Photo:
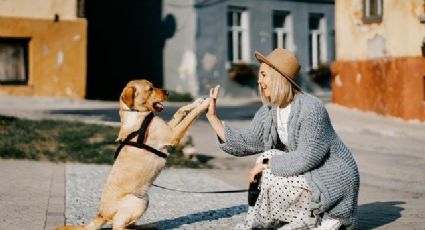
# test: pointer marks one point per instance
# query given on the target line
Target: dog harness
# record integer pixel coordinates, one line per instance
(140, 139)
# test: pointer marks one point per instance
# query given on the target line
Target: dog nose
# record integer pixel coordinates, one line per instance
(166, 92)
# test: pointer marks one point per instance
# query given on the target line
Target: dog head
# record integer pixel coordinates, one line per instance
(141, 95)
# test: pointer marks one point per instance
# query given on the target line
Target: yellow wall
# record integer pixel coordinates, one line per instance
(56, 53)
(400, 29)
(67, 9)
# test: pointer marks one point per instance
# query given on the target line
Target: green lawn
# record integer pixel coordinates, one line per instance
(65, 141)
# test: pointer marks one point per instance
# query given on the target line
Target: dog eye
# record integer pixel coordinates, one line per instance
(150, 89)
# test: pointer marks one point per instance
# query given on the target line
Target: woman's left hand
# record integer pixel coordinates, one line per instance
(258, 168)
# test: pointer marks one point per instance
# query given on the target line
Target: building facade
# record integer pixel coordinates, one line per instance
(380, 65)
(215, 41)
(42, 49)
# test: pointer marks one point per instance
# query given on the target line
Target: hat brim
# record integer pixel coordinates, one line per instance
(262, 59)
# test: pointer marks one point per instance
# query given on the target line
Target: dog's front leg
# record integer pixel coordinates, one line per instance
(183, 111)
(181, 128)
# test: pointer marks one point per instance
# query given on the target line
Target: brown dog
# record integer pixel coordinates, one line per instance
(125, 198)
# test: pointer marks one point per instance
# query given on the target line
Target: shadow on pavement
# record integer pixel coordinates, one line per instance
(376, 214)
(201, 216)
(191, 218)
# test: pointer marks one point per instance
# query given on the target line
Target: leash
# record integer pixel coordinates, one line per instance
(185, 191)
(140, 139)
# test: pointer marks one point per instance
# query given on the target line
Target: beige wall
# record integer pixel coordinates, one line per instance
(399, 35)
(67, 9)
(57, 56)
(379, 66)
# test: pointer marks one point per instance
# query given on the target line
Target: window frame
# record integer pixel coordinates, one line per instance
(319, 41)
(280, 31)
(235, 30)
(24, 43)
(367, 17)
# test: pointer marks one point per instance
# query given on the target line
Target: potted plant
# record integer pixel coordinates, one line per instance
(321, 75)
(242, 72)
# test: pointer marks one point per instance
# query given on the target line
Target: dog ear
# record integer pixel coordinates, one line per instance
(127, 96)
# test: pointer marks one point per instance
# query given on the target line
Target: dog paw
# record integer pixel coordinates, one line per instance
(205, 103)
(198, 101)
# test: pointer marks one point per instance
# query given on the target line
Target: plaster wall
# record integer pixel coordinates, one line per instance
(379, 66)
(180, 50)
(399, 34)
(211, 40)
(56, 56)
(66, 9)
(394, 87)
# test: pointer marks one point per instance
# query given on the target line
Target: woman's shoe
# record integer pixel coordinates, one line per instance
(329, 224)
(294, 226)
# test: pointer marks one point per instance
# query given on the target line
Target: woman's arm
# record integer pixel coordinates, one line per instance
(241, 142)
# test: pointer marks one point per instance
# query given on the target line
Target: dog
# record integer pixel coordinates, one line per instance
(125, 198)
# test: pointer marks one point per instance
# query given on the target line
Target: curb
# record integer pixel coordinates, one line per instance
(55, 214)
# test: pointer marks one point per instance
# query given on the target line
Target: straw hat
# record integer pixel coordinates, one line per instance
(283, 62)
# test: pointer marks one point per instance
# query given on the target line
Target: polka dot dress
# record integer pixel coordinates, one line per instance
(283, 202)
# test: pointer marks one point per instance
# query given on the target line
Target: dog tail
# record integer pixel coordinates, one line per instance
(70, 228)
(96, 223)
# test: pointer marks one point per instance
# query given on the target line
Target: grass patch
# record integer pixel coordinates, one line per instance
(65, 141)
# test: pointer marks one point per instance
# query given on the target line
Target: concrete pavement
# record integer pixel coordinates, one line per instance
(32, 195)
(390, 154)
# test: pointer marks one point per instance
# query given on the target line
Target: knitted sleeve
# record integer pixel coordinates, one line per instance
(247, 141)
(313, 139)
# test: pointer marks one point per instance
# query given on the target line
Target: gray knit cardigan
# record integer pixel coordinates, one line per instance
(314, 149)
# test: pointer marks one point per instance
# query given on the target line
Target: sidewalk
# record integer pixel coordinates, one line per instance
(390, 154)
(31, 195)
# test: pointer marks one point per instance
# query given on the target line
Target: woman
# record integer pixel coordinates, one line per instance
(311, 180)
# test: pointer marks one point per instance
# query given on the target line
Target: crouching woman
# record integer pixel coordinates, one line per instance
(311, 180)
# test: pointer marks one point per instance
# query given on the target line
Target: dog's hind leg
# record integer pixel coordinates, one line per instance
(130, 210)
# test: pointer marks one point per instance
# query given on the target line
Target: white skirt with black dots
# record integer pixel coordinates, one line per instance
(283, 202)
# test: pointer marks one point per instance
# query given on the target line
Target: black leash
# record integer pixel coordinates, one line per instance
(185, 191)
(140, 139)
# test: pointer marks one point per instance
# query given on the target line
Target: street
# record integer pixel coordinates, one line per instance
(390, 154)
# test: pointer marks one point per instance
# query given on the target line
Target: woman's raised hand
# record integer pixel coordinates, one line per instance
(212, 117)
(213, 98)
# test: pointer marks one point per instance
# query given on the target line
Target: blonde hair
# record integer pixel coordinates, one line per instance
(282, 92)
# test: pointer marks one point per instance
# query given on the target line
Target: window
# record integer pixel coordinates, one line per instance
(13, 61)
(372, 11)
(282, 30)
(237, 35)
(317, 40)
